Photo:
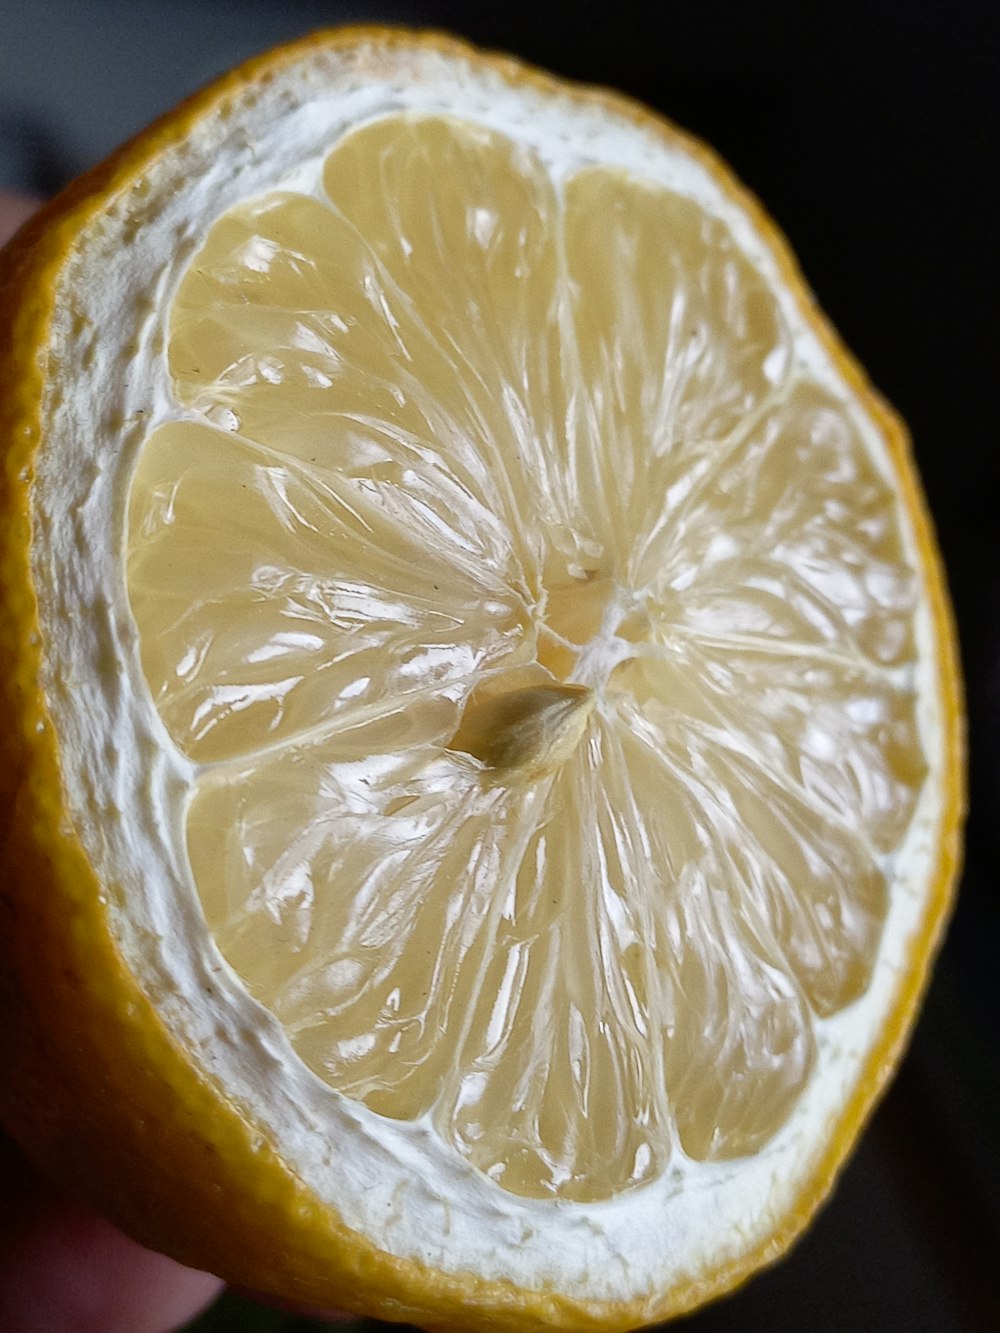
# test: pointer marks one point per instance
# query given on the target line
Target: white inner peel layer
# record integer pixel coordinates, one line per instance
(127, 786)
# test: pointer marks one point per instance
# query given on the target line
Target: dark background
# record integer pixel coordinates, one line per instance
(870, 132)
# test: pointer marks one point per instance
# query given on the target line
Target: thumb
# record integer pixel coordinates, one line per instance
(14, 209)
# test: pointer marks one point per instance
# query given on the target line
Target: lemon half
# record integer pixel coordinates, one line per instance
(483, 745)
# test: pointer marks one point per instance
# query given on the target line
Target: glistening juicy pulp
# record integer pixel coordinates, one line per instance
(453, 430)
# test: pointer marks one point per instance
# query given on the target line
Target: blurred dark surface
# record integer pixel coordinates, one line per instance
(870, 132)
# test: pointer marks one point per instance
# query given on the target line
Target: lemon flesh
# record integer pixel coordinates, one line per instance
(540, 633)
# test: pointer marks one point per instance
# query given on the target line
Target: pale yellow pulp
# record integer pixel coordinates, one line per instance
(453, 434)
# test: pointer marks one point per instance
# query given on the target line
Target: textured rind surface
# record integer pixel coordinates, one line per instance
(105, 1099)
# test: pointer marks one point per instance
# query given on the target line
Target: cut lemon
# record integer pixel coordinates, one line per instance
(481, 723)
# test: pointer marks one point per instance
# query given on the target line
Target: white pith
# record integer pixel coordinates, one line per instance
(396, 1183)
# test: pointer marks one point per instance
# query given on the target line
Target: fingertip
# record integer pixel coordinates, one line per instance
(72, 1270)
(14, 210)
(64, 1267)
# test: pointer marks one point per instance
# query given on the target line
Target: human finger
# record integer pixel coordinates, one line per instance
(64, 1267)
(14, 209)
